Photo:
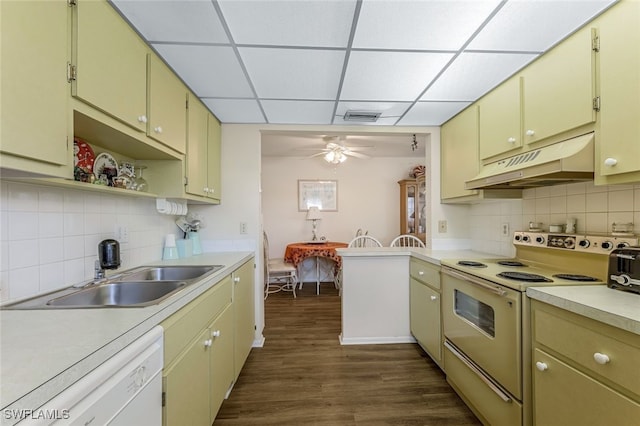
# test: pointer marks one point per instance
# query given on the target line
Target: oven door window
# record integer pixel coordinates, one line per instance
(477, 313)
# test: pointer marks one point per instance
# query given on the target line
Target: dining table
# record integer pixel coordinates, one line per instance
(296, 253)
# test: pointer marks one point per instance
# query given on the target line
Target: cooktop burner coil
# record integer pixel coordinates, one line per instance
(510, 263)
(472, 263)
(522, 276)
(575, 277)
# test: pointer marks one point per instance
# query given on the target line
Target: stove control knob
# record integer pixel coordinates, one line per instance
(606, 245)
(540, 240)
(517, 237)
(584, 243)
(569, 242)
(622, 245)
(526, 238)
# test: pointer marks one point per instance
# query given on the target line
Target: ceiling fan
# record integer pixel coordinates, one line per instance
(336, 152)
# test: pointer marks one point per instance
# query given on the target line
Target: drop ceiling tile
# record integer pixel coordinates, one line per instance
(289, 23)
(294, 73)
(432, 113)
(441, 25)
(535, 25)
(390, 76)
(298, 112)
(473, 74)
(175, 21)
(235, 110)
(210, 71)
(391, 111)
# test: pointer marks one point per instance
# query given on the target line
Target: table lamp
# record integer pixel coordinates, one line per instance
(314, 214)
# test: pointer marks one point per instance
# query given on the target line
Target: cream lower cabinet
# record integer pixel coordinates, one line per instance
(584, 372)
(244, 314)
(425, 309)
(35, 135)
(618, 128)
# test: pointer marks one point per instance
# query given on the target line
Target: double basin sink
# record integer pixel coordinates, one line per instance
(144, 286)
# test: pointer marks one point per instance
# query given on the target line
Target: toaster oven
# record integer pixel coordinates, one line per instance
(624, 269)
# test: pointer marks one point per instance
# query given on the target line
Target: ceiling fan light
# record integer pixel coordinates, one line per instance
(341, 157)
(330, 156)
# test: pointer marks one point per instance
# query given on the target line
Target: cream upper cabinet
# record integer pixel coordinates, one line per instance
(500, 119)
(167, 108)
(559, 89)
(197, 148)
(618, 130)
(35, 91)
(459, 154)
(214, 145)
(111, 64)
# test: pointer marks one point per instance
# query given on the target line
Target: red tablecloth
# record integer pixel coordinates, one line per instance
(297, 252)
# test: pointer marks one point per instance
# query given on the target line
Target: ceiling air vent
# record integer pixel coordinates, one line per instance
(369, 116)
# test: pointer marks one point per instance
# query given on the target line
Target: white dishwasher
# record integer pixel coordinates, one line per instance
(126, 390)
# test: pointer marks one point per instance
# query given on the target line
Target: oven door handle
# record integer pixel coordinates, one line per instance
(477, 371)
(497, 290)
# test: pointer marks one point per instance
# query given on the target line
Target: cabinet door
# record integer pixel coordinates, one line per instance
(197, 147)
(112, 64)
(213, 158)
(459, 154)
(221, 360)
(186, 386)
(558, 89)
(34, 87)
(167, 106)
(500, 119)
(565, 396)
(243, 305)
(425, 318)
(619, 127)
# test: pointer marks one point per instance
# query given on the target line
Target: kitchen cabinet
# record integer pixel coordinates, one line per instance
(198, 357)
(425, 308)
(111, 64)
(35, 133)
(167, 106)
(244, 312)
(618, 128)
(214, 160)
(574, 352)
(500, 119)
(413, 215)
(558, 89)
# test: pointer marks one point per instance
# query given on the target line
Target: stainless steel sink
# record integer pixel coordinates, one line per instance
(124, 293)
(139, 287)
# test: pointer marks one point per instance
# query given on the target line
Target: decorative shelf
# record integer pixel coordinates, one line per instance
(82, 186)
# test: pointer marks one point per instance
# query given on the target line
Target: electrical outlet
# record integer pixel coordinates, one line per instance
(505, 229)
(122, 233)
(442, 226)
(243, 227)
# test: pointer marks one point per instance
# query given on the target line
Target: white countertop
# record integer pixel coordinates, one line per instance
(44, 351)
(428, 255)
(601, 303)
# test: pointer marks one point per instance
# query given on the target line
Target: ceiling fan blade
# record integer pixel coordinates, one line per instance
(356, 154)
(358, 148)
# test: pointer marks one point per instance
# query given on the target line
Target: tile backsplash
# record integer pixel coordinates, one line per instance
(595, 208)
(49, 236)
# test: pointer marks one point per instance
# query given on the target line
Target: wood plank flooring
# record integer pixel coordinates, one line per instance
(303, 376)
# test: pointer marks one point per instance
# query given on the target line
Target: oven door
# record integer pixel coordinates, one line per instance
(483, 320)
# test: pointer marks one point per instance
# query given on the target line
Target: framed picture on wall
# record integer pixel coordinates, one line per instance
(318, 193)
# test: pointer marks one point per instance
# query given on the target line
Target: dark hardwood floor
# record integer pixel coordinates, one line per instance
(303, 376)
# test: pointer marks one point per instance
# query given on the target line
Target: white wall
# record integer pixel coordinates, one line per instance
(49, 236)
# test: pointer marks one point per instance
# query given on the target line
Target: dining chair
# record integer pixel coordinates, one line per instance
(407, 241)
(365, 241)
(283, 273)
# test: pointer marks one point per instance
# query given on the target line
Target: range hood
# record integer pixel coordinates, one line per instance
(563, 162)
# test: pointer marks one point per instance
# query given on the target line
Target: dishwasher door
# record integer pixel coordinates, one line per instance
(126, 390)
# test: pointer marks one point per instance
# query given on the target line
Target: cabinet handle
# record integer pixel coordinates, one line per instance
(207, 343)
(215, 333)
(142, 118)
(206, 190)
(530, 133)
(236, 280)
(601, 359)
(434, 298)
(610, 162)
(157, 129)
(542, 366)
(511, 140)
(420, 272)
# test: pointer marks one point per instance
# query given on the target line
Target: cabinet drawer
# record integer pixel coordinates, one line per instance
(579, 339)
(425, 272)
(184, 325)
